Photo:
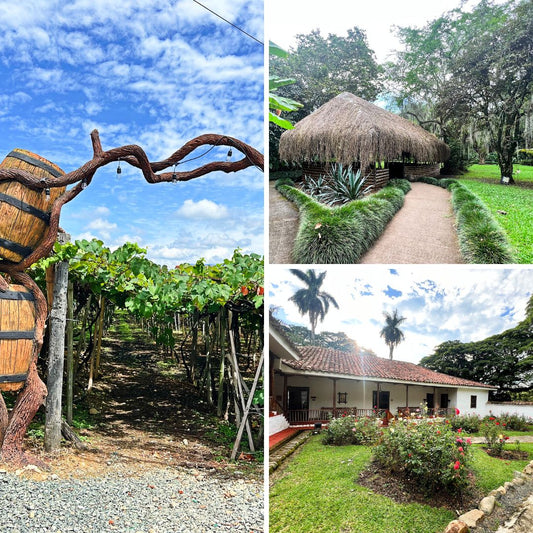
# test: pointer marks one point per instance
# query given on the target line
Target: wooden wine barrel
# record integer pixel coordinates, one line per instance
(24, 213)
(17, 330)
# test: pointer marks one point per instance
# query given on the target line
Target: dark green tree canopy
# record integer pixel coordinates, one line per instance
(504, 360)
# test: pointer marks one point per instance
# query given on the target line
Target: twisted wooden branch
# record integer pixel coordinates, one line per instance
(135, 156)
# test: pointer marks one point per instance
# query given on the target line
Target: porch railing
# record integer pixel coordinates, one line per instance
(323, 414)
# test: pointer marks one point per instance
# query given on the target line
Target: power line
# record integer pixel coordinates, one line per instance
(230, 23)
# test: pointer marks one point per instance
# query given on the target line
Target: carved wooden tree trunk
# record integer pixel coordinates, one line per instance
(34, 392)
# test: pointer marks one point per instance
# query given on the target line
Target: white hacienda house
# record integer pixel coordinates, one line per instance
(310, 384)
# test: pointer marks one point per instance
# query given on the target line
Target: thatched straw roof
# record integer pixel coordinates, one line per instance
(348, 129)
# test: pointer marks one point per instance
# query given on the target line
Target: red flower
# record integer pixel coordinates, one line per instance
(459, 430)
(497, 423)
(460, 449)
(457, 412)
(492, 418)
(438, 432)
(504, 424)
(244, 290)
(260, 291)
(457, 465)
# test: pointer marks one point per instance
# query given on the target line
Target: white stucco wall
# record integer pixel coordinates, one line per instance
(359, 394)
(276, 424)
(511, 408)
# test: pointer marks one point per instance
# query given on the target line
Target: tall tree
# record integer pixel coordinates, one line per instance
(504, 360)
(392, 334)
(472, 72)
(322, 68)
(311, 300)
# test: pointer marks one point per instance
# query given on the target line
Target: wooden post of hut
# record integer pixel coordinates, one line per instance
(56, 355)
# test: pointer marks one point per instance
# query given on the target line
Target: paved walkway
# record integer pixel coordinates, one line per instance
(283, 227)
(422, 231)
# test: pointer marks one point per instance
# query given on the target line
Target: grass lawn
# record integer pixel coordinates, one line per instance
(484, 181)
(492, 472)
(318, 492)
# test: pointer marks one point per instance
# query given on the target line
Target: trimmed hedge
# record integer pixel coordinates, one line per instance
(340, 235)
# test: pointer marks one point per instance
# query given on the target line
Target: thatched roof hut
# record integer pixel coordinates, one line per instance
(349, 129)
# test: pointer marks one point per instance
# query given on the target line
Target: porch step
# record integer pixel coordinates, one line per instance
(286, 447)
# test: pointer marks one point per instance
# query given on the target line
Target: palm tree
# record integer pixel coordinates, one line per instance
(311, 300)
(390, 332)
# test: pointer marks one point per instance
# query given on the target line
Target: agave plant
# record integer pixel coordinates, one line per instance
(314, 187)
(344, 185)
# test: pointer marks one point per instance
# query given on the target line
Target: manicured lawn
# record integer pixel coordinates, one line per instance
(492, 472)
(318, 492)
(483, 180)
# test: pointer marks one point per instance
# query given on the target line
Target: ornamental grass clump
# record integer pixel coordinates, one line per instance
(351, 430)
(342, 234)
(430, 454)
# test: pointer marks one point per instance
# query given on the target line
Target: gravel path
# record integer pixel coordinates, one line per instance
(422, 231)
(283, 227)
(164, 501)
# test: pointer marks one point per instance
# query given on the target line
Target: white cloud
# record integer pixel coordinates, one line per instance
(203, 209)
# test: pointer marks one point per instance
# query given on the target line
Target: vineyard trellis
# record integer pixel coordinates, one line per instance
(219, 309)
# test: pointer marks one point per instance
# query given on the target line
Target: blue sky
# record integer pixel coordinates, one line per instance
(440, 303)
(148, 72)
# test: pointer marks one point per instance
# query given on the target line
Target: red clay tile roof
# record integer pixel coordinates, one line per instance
(326, 360)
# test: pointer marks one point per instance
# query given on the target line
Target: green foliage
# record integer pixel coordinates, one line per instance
(432, 454)
(495, 438)
(284, 181)
(343, 185)
(510, 205)
(481, 238)
(504, 360)
(320, 493)
(350, 430)
(514, 422)
(468, 423)
(278, 103)
(341, 234)
(314, 187)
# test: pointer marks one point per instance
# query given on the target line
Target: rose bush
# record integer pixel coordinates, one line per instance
(351, 430)
(431, 454)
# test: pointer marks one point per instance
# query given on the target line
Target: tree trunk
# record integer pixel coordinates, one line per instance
(391, 349)
(56, 359)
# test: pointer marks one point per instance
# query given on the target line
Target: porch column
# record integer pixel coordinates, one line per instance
(284, 404)
(334, 397)
(407, 396)
(436, 402)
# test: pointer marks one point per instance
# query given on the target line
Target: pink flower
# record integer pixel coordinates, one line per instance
(460, 449)
(459, 430)
(353, 429)
(460, 441)
(469, 440)
(457, 412)
(457, 465)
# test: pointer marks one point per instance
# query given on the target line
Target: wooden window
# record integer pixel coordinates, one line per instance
(342, 397)
(473, 402)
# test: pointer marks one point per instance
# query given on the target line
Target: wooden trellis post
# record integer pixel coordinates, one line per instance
(56, 354)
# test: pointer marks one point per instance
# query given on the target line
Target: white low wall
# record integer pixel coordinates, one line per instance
(276, 424)
(524, 409)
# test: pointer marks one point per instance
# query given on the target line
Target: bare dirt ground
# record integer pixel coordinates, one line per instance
(145, 416)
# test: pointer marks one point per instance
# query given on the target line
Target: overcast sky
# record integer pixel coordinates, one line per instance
(285, 19)
(439, 303)
(148, 72)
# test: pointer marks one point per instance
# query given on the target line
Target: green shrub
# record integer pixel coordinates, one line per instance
(468, 423)
(284, 181)
(513, 422)
(431, 454)
(341, 234)
(350, 430)
(495, 438)
(401, 184)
